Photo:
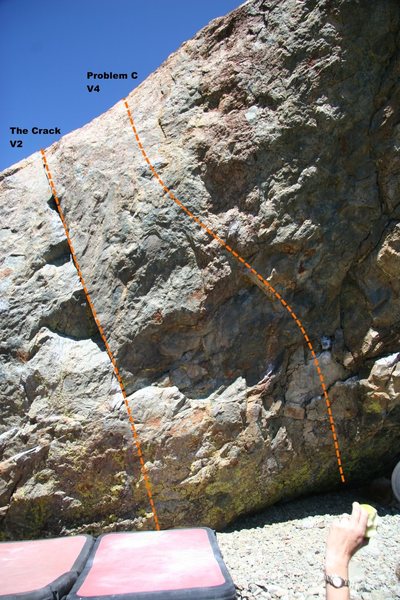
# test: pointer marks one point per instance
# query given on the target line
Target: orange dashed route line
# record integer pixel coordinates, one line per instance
(266, 283)
(108, 349)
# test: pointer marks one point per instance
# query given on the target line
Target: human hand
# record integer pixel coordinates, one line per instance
(345, 537)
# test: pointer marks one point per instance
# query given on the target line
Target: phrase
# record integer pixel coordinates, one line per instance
(107, 76)
(34, 131)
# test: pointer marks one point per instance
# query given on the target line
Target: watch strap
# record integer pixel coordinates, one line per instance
(336, 581)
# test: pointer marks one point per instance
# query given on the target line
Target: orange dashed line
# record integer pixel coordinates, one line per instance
(241, 260)
(110, 354)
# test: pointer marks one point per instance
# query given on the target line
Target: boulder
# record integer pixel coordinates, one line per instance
(277, 126)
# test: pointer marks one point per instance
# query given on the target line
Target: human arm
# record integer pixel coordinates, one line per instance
(345, 537)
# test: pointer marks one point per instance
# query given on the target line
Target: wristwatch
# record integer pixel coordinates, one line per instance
(336, 581)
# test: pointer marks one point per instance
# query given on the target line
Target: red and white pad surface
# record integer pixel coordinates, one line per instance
(182, 563)
(34, 569)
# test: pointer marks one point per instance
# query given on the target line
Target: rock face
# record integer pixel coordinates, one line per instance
(278, 126)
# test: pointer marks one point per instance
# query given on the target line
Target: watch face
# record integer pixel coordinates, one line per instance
(337, 581)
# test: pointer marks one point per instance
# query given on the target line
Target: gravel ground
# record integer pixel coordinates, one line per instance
(279, 553)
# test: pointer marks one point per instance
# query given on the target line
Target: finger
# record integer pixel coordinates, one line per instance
(363, 522)
(356, 513)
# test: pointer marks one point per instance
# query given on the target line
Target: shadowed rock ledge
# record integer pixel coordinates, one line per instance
(278, 126)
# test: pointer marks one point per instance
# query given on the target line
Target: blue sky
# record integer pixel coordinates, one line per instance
(48, 46)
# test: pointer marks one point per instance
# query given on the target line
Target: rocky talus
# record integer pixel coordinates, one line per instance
(278, 126)
(279, 554)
